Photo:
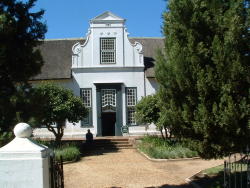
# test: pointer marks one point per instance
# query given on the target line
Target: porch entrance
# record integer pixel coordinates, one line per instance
(108, 123)
(109, 109)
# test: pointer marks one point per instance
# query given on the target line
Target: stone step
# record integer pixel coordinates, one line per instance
(110, 142)
(113, 145)
(121, 143)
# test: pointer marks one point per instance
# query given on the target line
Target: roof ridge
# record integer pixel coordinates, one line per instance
(146, 37)
(80, 38)
(83, 38)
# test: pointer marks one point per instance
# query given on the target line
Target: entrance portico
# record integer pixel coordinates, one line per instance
(109, 109)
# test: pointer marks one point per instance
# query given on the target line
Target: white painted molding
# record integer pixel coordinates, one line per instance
(126, 33)
(77, 48)
(87, 37)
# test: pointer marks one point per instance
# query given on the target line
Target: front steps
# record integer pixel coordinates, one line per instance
(109, 144)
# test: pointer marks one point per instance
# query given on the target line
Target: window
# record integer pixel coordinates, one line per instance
(108, 100)
(86, 95)
(130, 104)
(107, 50)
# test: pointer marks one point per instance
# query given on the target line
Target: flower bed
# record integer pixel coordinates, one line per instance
(68, 151)
(158, 148)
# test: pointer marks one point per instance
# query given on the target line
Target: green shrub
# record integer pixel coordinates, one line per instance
(5, 138)
(158, 148)
(68, 151)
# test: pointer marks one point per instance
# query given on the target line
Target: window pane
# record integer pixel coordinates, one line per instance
(107, 50)
(131, 96)
(131, 115)
(108, 100)
(86, 95)
(131, 102)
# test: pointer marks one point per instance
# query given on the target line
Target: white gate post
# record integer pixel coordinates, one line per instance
(23, 162)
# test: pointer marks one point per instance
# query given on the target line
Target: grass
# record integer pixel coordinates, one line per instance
(158, 148)
(70, 151)
(215, 177)
(214, 170)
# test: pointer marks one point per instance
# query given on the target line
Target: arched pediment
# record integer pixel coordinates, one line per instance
(107, 17)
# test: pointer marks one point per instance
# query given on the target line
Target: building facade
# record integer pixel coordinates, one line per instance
(108, 70)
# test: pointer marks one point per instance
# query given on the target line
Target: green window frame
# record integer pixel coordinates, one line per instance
(107, 50)
(86, 95)
(131, 101)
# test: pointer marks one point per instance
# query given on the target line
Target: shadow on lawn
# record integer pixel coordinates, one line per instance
(91, 149)
(237, 179)
(165, 186)
(88, 149)
(172, 186)
(211, 181)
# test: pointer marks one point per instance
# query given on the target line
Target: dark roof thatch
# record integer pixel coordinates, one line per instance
(150, 47)
(57, 55)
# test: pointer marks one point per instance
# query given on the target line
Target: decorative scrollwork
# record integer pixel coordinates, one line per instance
(138, 47)
(76, 49)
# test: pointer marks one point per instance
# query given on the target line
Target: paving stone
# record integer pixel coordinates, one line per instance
(129, 169)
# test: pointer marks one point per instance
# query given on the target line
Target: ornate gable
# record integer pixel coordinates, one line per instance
(107, 17)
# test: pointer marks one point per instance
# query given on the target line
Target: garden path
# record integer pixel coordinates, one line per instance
(129, 169)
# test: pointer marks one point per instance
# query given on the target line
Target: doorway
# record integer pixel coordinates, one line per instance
(109, 109)
(108, 123)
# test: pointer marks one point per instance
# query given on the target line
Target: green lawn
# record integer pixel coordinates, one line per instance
(214, 177)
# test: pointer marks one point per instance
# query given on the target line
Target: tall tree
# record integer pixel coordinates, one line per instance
(21, 30)
(204, 73)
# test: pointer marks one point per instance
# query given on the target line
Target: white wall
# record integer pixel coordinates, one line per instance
(88, 54)
(130, 77)
(151, 86)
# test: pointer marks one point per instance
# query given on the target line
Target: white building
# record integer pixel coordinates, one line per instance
(110, 71)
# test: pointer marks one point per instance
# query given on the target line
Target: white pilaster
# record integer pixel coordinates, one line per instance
(23, 162)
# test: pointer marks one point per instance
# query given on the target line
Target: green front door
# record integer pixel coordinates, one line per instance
(109, 109)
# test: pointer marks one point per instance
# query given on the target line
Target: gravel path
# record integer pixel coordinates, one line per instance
(129, 169)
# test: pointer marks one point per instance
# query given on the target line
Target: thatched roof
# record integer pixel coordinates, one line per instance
(57, 55)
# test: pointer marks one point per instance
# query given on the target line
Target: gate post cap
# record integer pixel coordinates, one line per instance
(22, 130)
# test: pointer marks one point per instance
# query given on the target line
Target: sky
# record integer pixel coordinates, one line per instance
(70, 18)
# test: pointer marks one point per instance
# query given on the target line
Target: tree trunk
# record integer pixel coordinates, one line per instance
(170, 134)
(58, 138)
(58, 134)
(166, 132)
(60, 131)
(162, 135)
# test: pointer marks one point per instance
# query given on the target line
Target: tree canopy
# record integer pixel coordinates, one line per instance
(52, 105)
(150, 109)
(204, 74)
(147, 110)
(21, 30)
